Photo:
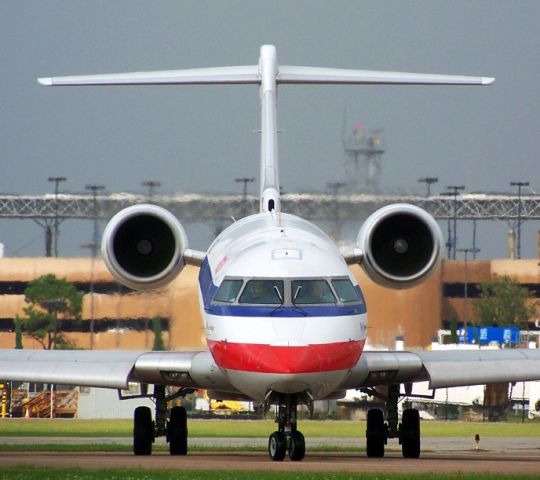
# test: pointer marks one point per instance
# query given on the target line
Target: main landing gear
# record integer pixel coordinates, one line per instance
(287, 439)
(378, 432)
(145, 430)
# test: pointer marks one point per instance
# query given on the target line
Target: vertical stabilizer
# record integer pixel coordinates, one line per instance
(268, 70)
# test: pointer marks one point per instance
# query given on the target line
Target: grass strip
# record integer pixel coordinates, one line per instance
(255, 428)
(28, 473)
(115, 448)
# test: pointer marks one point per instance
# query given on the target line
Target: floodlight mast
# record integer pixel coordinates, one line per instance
(520, 185)
(56, 181)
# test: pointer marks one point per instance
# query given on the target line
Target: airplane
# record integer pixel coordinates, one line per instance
(285, 319)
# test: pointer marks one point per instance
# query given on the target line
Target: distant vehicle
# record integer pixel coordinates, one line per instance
(285, 319)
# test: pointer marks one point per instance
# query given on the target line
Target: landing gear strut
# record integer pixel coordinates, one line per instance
(145, 431)
(287, 438)
(378, 432)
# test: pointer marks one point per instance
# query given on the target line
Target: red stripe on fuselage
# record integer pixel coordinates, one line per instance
(316, 358)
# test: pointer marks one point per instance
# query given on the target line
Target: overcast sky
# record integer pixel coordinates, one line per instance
(200, 138)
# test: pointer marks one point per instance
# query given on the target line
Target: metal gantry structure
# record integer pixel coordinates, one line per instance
(198, 207)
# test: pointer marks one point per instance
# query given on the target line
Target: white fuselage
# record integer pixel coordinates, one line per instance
(284, 342)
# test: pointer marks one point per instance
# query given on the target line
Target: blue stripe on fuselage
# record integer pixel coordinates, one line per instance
(208, 290)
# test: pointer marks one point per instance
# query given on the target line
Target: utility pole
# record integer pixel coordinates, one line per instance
(454, 191)
(93, 246)
(428, 181)
(151, 185)
(245, 181)
(520, 185)
(56, 181)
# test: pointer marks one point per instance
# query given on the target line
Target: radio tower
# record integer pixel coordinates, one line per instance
(364, 151)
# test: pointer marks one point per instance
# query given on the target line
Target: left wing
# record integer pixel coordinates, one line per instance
(445, 368)
(113, 369)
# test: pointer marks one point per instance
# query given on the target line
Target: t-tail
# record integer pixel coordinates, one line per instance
(268, 75)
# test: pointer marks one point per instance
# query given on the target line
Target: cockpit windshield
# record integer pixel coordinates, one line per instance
(300, 291)
(228, 291)
(345, 290)
(311, 292)
(268, 292)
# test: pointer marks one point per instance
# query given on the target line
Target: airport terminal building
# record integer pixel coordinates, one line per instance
(123, 318)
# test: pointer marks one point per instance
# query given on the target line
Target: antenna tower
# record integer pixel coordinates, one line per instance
(364, 152)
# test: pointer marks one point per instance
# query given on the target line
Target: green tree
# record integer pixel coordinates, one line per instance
(504, 302)
(158, 339)
(18, 333)
(50, 300)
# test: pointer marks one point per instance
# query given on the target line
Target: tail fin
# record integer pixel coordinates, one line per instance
(268, 75)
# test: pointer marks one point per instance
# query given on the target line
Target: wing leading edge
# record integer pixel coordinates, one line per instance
(113, 369)
(445, 368)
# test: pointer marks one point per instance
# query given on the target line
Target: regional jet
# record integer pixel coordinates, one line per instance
(284, 317)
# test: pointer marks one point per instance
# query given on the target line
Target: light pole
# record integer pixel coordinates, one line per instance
(93, 252)
(151, 185)
(93, 246)
(428, 181)
(466, 252)
(454, 191)
(245, 181)
(53, 307)
(520, 185)
(56, 181)
(94, 189)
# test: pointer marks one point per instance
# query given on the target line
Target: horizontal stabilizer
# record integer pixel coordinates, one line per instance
(249, 74)
(221, 75)
(306, 75)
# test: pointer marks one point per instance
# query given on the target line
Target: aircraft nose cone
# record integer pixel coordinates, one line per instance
(287, 357)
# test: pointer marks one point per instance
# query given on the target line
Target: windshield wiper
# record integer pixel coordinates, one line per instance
(296, 307)
(278, 294)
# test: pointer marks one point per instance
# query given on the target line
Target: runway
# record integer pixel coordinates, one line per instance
(524, 462)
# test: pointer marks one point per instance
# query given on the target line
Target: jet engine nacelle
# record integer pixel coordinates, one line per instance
(401, 245)
(143, 246)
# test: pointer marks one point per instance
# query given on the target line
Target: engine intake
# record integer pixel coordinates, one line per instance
(143, 246)
(401, 245)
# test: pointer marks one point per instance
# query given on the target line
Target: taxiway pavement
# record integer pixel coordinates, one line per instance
(440, 454)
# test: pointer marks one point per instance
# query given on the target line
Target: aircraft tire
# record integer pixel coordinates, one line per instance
(297, 448)
(410, 433)
(277, 446)
(375, 433)
(143, 431)
(177, 432)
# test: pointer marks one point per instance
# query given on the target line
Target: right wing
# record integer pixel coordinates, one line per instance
(443, 368)
(113, 369)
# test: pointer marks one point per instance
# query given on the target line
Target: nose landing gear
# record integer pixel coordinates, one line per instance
(287, 439)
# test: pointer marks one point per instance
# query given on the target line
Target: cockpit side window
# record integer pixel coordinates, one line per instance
(311, 292)
(345, 290)
(266, 292)
(228, 291)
